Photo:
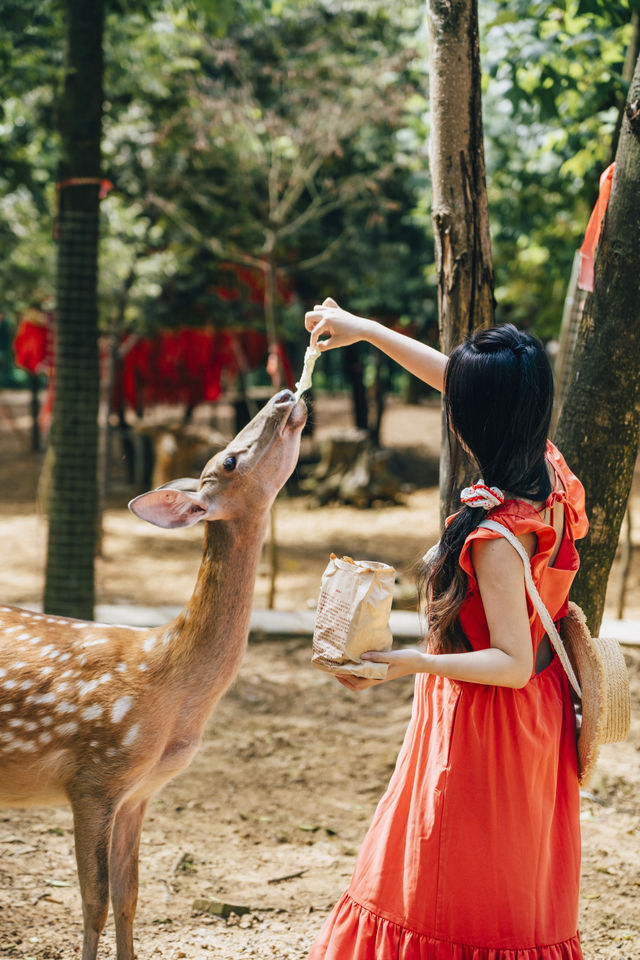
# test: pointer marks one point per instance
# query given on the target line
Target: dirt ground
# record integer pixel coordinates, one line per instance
(271, 813)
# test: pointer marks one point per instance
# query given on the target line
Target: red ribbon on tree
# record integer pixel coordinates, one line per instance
(594, 227)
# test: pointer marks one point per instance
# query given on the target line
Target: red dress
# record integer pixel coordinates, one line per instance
(474, 850)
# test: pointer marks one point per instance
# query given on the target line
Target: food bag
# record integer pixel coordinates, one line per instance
(353, 617)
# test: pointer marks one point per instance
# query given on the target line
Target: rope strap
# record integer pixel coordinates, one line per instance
(537, 601)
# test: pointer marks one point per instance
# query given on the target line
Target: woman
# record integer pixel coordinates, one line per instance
(474, 850)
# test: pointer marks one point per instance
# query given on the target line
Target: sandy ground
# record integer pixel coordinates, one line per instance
(271, 813)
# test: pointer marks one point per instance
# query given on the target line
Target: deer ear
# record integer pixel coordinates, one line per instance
(176, 504)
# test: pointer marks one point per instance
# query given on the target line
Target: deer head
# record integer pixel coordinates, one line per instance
(240, 481)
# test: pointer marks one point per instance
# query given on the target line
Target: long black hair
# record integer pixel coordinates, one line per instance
(498, 398)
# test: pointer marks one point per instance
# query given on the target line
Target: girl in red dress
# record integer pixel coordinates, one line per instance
(474, 850)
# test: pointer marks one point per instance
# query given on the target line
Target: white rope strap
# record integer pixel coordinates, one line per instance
(537, 601)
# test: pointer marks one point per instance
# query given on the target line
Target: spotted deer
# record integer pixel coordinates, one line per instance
(101, 716)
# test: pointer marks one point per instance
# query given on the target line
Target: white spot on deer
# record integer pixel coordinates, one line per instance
(92, 712)
(66, 728)
(86, 686)
(44, 698)
(38, 616)
(47, 650)
(16, 722)
(52, 619)
(142, 666)
(6, 737)
(46, 671)
(111, 752)
(149, 643)
(65, 656)
(65, 707)
(8, 707)
(167, 637)
(120, 707)
(94, 642)
(23, 636)
(3, 672)
(20, 665)
(131, 735)
(44, 736)
(122, 668)
(11, 629)
(67, 673)
(62, 687)
(34, 640)
(105, 678)
(10, 684)
(26, 684)
(81, 625)
(30, 725)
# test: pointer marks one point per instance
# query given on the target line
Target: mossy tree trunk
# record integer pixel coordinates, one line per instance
(599, 427)
(69, 586)
(459, 210)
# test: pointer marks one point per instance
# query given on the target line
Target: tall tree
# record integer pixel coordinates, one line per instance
(69, 586)
(459, 204)
(599, 428)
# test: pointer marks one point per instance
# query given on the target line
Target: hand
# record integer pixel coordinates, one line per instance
(401, 664)
(343, 328)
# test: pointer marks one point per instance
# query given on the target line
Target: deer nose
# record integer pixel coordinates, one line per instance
(285, 396)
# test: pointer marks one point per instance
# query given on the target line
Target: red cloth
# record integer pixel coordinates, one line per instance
(594, 227)
(189, 365)
(474, 850)
(31, 346)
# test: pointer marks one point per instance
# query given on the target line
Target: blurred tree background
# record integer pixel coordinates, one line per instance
(233, 129)
(264, 154)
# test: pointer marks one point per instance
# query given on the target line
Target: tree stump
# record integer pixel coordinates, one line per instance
(353, 471)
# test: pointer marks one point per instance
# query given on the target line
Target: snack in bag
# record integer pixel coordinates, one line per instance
(353, 616)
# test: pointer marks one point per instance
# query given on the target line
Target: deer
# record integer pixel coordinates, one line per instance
(101, 716)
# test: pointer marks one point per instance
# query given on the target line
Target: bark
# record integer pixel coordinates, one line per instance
(460, 210)
(633, 52)
(599, 427)
(69, 587)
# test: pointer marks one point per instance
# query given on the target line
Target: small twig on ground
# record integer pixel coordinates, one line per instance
(289, 876)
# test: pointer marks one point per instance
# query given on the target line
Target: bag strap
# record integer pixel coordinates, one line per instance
(537, 601)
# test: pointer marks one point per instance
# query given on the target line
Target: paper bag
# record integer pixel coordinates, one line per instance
(353, 617)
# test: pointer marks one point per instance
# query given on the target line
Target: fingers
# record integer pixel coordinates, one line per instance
(329, 302)
(379, 656)
(353, 683)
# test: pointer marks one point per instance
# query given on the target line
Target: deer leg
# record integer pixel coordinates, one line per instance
(123, 873)
(93, 824)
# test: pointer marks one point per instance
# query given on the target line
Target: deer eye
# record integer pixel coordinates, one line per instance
(229, 464)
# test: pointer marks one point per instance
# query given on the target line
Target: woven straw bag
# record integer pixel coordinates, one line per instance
(595, 668)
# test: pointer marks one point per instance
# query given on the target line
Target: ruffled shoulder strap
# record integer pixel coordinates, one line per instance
(568, 491)
(519, 518)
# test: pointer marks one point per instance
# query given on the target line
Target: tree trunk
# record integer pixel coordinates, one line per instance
(69, 587)
(353, 368)
(460, 210)
(599, 427)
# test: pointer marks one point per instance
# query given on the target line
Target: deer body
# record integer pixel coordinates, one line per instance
(102, 716)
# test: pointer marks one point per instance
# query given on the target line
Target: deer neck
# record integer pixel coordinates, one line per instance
(214, 626)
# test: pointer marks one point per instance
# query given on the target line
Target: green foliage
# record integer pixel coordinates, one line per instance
(214, 108)
(554, 89)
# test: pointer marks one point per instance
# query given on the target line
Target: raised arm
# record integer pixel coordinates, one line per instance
(340, 328)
